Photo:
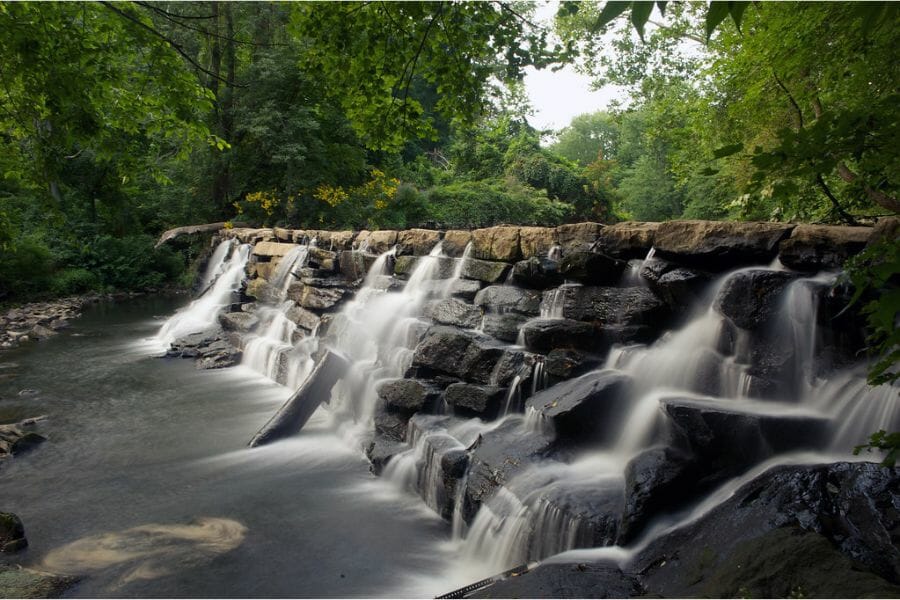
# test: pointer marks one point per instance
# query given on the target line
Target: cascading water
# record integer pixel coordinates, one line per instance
(200, 315)
(274, 351)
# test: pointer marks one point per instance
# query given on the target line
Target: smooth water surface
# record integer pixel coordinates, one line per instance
(146, 485)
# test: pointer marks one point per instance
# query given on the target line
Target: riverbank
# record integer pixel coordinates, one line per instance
(36, 321)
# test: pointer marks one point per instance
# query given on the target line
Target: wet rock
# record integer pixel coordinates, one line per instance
(496, 457)
(325, 260)
(513, 363)
(391, 425)
(609, 305)
(303, 318)
(630, 239)
(19, 582)
(727, 440)
(484, 270)
(538, 273)
(818, 247)
(759, 538)
(28, 441)
(536, 241)
(405, 265)
(39, 332)
(565, 363)
(219, 355)
(578, 236)
(455, 242)
(381, 241)
(592, 268)
(454, 312)
(751, 298)
(417, 241)
(680, 287)
(584, 409)
(503, 326)
(409, 395)
(566, 580)
(719, 245)
(657, 480)
(355, 265)
(12, 534)
(464, 289)
(380, 452)
(464, 354)
(469, 399)
(544, 335)
(316, 298)
(505, 298)
(238, 321)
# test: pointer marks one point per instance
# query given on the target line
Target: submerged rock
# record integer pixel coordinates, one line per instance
(12, 534)
(505, 298)
(750, 298)
(544, 335)
(475, 400)
(19, 582)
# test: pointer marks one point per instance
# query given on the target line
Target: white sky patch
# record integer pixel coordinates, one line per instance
(557, 96)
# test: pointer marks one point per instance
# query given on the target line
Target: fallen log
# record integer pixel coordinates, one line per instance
(294, 414)
(177, 232)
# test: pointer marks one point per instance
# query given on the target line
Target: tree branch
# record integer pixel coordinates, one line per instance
(168, 41)
(844, 215)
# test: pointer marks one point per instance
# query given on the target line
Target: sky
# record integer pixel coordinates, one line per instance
(558, 96)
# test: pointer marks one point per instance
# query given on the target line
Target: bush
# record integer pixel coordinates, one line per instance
(25, 268)
(74, 281)
(469, 204)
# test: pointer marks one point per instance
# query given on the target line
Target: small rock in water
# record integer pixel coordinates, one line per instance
(12, 533)
(29, 392)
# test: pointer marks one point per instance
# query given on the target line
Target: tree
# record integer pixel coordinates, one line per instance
(587, 138)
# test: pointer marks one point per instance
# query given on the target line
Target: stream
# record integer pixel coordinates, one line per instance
(147, 487)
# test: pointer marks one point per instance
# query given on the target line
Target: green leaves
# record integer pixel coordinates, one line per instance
(885, 442)
(719, 10)
(611, 10)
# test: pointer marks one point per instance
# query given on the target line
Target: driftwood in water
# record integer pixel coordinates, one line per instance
(177, 232)
(294, 414)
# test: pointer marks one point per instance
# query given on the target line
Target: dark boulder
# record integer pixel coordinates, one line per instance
(453, 311)
(315, 298)
(381, 450)
(818, 247)
(592, 268)
(538, 273)
(464, 354)
(505, 298)
(750, 298)
(728, 440)
(503, 326)
(485, 270)
(629, 239)
(409, 395)
(680, 287)
(609, 305)
(816, 530)
(588, 408)
(465, 289)
(475, 400)
(565, 363)
(12, 533)
(218, 355)
(391, 425)
(496, 457)
(544, 335)
(657, 480)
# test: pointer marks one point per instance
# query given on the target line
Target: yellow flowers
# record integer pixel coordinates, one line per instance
(331, 195)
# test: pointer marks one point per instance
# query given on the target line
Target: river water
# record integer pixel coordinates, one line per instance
(146, 486)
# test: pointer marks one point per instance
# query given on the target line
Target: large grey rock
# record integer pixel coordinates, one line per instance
(496, 457)
(12, 533)
(578, 236)
(592, 268)
(443, 266)
(630, 239)
(409, 395)
(505, 298)
(381, 450)
(238, 321)
(484, 270)
(391, 426)
(538, 273)
(565, 580)
(589, 408)
(465, 289)
(464, 354)
(355, 265)
(565, 363)
(680, 287)
(821, 530)
(303, 318)
(818, 247)
(315, 298)
(453, 311)
(503, 326)
(719, 245)
(544, 335)
(750, 298)
(475, 400)
(727, 440)
(609, 305)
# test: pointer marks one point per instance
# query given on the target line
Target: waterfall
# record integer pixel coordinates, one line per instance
(200, 315)
(275, 350)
